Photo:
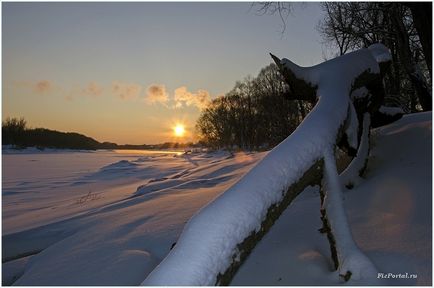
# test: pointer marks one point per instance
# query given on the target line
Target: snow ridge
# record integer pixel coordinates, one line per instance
(391, 111)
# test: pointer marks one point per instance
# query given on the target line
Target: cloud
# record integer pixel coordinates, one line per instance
(200, 99)
(93, 89)
(156, 93)
(126, 91)
(43, 86)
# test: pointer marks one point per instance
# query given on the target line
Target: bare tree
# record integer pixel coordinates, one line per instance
(422, 20)
(257, 113)
(353, 25)
(283, 9)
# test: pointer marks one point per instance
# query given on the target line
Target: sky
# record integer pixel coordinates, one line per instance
(129, 72)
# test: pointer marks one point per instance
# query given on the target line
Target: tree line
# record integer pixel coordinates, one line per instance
(16, 133)
(255, 114)
(258, 113)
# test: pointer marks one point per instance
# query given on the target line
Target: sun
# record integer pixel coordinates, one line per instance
(179, 130)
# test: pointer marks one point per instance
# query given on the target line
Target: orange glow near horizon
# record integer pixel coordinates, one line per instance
(179, 130)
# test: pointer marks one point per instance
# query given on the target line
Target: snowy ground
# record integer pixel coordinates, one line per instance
(115, 236)
(389, 213)
(107, 218)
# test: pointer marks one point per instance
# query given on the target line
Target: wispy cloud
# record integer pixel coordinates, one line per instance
(69, 98)
(38, 87)
(200, 99)
(43, 87)
(156, 93)
(126, 91)
(93, 89)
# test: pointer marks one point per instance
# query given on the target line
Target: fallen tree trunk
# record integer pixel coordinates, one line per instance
(219, 237)
(312, 177)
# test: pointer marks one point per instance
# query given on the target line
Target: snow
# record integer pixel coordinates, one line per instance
(351, 175)
(118, 237)
(352, 127)
(118, 242)
(389, 213)
(351, 259)
(391, 111)
(32, 181)
(359, 93)
(12, 270)
(380, 52)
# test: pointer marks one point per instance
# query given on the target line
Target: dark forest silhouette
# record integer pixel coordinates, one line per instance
(16, 133)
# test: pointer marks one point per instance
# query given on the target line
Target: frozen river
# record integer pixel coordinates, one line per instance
(104, 217)
(34, 181)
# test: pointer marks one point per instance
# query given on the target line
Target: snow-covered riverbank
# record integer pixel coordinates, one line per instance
(107, 218)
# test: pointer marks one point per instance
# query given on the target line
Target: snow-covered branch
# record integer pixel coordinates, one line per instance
(351, 175)
(351, 262)
(293, 74)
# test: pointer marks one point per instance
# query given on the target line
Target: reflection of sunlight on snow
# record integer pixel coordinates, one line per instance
(395, 208)
(309, 255)
(146, 152)
(243, 157)
(395, 199)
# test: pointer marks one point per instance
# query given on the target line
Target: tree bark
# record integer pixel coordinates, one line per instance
(422, 21)
(312, 177)
(300, 90)
(327, 230)
(406, 58)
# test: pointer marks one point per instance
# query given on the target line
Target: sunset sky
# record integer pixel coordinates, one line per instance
(129, 72)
